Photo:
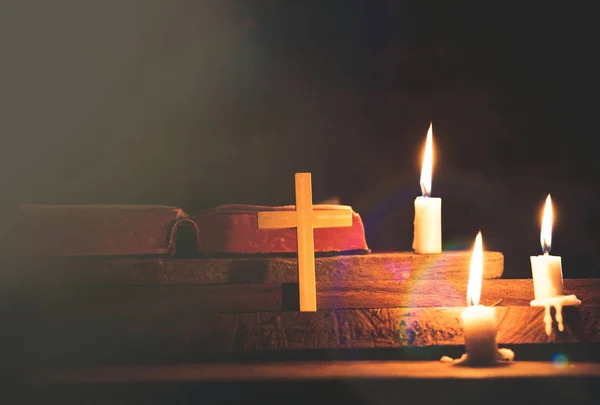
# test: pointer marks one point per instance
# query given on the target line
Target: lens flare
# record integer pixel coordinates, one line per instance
(560, 360)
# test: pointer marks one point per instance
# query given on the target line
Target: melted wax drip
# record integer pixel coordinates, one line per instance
(558, 303)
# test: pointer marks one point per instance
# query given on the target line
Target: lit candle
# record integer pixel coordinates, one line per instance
(547, 276)
(478, 321)
(546, 269)
(428, 210)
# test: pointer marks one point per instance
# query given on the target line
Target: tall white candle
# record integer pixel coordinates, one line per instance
(479, 322)
(428, 210)
(547, 269)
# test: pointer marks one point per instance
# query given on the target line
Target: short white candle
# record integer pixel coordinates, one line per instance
(428, 210)
(479, 325)
(479, 322)
(547, 269)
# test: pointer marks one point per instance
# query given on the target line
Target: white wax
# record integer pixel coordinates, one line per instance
(558, 302)
(479, 326)
(547, 276)
(428, 225)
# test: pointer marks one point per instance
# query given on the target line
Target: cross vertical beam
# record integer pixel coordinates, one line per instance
(306, 243)
(305, 219)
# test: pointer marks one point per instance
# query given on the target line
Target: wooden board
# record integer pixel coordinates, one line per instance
(39, 336)
(380, 383)
(190, 321)
(360, 382)
(94, 301)
(309, 370)
(340, 269)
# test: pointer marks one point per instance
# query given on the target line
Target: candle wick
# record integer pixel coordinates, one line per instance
(545, 248)
(424, 191)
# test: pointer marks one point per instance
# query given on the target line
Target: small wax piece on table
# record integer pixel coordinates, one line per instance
(501, 354)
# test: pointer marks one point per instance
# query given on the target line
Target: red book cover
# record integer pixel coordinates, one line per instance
(133, 230)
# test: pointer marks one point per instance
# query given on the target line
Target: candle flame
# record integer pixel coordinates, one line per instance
(546, 233)
(427, 168)
(475, 273)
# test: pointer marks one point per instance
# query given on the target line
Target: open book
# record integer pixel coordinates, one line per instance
(125, 230)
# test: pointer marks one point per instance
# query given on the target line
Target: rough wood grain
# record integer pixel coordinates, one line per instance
(48, 336)
(240, 298)
(341, 269)
(310, 370)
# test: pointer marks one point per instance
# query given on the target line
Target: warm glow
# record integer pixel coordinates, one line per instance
(476, 273)
(427, 167)
(546, 234)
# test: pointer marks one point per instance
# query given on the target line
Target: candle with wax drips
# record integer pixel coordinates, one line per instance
(428, 210)
(478, 321)
(547, 269)
(547, 276)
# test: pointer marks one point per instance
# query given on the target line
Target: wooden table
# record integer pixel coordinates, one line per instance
(117, 313)
(313, 370)
(369, 382)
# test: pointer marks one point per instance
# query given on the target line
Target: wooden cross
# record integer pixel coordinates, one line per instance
(304, 219)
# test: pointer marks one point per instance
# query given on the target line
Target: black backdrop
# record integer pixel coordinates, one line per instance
(200, 103)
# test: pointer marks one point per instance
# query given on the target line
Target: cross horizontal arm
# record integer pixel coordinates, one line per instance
(332, 218)
(277, 220)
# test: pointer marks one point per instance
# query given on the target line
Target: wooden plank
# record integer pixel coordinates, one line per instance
(357, 382)
(39, 336)
(239, 298)
(309, 370)
(340, 269)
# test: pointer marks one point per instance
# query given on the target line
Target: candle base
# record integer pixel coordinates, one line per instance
(558, 303)
(502, 356)
(479, 325)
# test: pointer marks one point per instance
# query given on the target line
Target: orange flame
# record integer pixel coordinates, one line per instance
(547, 219)
(427, 168)
(475, 273)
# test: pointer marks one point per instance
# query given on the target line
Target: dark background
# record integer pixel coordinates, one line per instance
(197, 103)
